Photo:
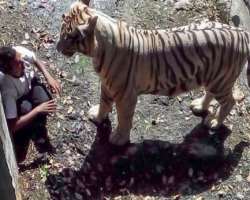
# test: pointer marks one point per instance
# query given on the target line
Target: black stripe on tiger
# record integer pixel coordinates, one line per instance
(242, 55)
(109, 66)
(183, 55)
(151, 55)
(230, 65)
(120, 32)
(136, 32)
(178, 60)
(158, 66)
(130, 66)
(220, 67)
(155, 67)
(209, 79)
(247, 44)
(168, 68)
(199, 51)
(143, 42)
(231, 52)
(247, 36)
(212, 48)
(239, 48)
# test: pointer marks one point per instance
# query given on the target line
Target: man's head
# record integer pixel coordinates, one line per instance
(11, 62)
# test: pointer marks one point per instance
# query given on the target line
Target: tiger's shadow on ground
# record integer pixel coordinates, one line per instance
(155, 168)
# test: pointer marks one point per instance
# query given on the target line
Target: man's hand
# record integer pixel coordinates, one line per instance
(46, 107)
(22, 121)
(54, 85)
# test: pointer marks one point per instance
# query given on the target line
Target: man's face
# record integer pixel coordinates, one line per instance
(17, 66)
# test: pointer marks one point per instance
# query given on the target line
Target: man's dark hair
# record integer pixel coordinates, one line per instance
(7, 54)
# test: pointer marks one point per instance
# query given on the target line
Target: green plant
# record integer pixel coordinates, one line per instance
(44, 172)
(82, 65)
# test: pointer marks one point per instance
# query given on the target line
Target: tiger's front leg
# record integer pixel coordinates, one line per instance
(201, 104)
(226, 101)
(125, 113)
(98, 113)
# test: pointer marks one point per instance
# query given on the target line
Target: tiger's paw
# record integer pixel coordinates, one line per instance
(119, 139)
(197, 107)
(212, 122)
(93, 114)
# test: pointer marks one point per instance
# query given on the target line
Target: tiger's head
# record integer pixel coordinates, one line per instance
(77, 30)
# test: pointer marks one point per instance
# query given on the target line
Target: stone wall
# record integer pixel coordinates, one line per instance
(9, 189)
(240, 13)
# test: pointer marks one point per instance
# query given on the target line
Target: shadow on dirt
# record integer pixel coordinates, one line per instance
(155, 168)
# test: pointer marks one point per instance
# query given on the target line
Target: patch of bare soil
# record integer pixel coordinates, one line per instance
(171, 155)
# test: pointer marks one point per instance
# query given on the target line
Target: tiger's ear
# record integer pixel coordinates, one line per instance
(86, 2)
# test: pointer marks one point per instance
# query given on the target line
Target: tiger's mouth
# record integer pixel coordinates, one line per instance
(68, 53)
(65, 52)
(62, 48)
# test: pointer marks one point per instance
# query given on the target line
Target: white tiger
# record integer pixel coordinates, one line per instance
(132, 61)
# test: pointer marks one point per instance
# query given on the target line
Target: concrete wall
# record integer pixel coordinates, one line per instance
(9, 189)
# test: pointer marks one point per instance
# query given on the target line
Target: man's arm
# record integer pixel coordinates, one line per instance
(54, 84)
(22, 121)
(19, 123)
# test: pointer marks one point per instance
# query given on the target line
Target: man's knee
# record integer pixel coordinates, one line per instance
(25, 107)
(40, 94)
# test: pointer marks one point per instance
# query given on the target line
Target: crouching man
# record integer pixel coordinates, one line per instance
(26, 100)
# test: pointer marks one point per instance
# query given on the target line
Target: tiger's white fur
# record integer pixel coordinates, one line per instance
(132, 61)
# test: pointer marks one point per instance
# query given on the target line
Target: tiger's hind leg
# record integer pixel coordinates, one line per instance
(98, 113)
(201, 105)
(226, 102)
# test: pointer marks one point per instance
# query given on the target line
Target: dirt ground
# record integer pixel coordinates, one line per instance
(171, 155)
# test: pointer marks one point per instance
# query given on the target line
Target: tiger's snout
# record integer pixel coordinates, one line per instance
(64, 49)
(59, 46)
